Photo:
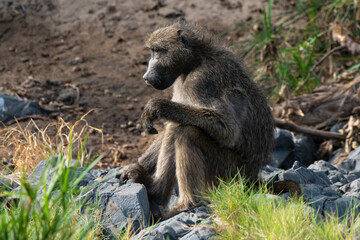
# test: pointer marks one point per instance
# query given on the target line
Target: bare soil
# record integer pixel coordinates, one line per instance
(74, 56)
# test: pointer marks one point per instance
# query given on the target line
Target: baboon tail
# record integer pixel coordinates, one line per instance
(283, 186)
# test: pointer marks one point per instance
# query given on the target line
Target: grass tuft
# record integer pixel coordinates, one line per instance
(245, 212)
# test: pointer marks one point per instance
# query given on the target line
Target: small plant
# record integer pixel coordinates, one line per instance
(284, 52)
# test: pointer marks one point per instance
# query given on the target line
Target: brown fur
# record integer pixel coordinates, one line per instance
(218, 119)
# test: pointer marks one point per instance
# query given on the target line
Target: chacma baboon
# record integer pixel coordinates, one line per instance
(218, 121)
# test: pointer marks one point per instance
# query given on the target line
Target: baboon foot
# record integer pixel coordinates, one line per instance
(136, 173)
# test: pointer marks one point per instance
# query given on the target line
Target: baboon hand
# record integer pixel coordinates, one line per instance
(151, 113)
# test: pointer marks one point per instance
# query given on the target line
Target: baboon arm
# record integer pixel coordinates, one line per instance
(220, 125)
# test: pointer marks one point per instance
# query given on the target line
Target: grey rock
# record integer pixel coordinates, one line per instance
(337, 176)
(284, 145)
(311, 190)
(279, 156)
(303, 152)
(322, 166)
(317, 203)
(201, 232)
(355, 185)
(12, 107)
(341, 206)
(350, 177)
(127, 203)
(336, 155)
(284, 139)
(351, 163)
(355, 154)
(305, 176)
(175, 227)
(269, 174)
(330, 192)
(68, 96)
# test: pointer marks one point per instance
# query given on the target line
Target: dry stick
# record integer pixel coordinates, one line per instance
(24, 118)
(326, 55)
(308, 131)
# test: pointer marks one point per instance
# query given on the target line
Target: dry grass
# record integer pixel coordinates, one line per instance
(24, 147)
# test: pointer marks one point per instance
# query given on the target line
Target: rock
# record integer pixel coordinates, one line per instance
(305, 176)
(349, 165)
(355, 154)
(284, 146)
(322, 166)
(336, 156)
(336, 176)
(355, 186)
(284, 139)
(24, 59)
(176, 227)
(11, 107)
(311, 190)
(127, 203)
(330, 192)
(269, 174)
(341, 206)
(317, 203)
(68, 96)
(303, 152)
(201, 232)
(7, 185)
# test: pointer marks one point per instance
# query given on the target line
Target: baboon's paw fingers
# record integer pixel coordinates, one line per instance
(149, 125)
(130, 172)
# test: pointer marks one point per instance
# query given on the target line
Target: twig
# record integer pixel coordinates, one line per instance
(308, 131)
(23, 118)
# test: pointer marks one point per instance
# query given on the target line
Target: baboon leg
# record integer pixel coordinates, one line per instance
(190, 167)
(149, 159)
(165, 179)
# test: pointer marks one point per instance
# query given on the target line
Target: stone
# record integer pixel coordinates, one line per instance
(349, 165)
(12, 107)
(68, 96)
(175, 227)
(201, 232)
(269, 174)
(330, 192)
(284, 139)
(304, 151)
(305, 176)
(283, 148)
(311, 190)
(341, 206)
(355, 185)
(337, 176)
(322, 166)
(125, 203)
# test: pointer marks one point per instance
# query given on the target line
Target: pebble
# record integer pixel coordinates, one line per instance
(24, 59)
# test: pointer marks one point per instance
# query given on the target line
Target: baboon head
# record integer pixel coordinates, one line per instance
(171, 55)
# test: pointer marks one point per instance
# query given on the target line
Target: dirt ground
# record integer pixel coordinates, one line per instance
(74, 56)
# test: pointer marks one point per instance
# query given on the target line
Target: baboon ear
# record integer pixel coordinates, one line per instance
(181, 35)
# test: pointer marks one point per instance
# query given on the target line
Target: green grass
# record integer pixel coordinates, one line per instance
(243, 212)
